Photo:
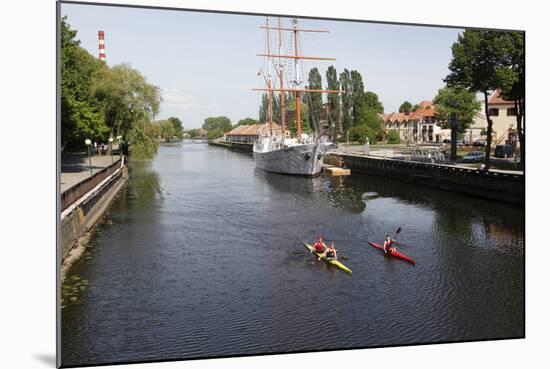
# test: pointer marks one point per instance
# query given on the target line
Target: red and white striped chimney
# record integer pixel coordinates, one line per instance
(101, 36)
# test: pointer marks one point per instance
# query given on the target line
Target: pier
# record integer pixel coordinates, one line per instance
(235, 146)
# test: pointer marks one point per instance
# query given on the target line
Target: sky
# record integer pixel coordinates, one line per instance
(206, 63)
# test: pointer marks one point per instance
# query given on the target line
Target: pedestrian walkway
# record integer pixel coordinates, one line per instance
(75, 167)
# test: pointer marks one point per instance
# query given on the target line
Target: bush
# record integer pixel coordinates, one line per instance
(361, 133)
(393, 137)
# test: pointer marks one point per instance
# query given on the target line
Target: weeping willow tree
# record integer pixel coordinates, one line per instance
(99, 102)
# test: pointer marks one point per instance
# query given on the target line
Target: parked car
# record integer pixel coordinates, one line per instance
(446, 141)
(502, 151)
(480, 143)
(460, 142)
(473, 157)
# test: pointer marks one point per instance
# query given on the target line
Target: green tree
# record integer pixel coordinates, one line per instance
(223, 123)
(143, 144)
(347, 99)
(406, 107)
(333, 99)
(371, 102)
(194, 133)
(393, 137)
(357, 95)
(178, 127)
(360, 134)
(314, 99)
(81, 116)
(166, 130)
(478, 57)
(126, 96)
(246, 122)
(415, 107)
(512, 82)
(215, 133)
(459, 101)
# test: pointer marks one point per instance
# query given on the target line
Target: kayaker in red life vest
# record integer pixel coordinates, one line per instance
(331, 252)
(319, 246)
(388, 242)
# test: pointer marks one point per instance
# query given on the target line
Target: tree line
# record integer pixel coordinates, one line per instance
(99, 102)
(353, 113)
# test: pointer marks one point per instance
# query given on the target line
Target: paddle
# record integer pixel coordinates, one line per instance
(397, 233)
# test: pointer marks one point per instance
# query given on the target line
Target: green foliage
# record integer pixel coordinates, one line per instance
(178, 127)
(361, 132)
(125, 97)
(222, 123)
(142, 140)
(246, 122)
(406, 107)
(371, 102)
(357, 95)
(393, 137)
(194, 133)
(164, 129)
(333, 99)
(81, 117)
(215, 133)
(347, 99)
(415, 107)
(480, 63)
(459, 101)
(98, 102)
(314, 99)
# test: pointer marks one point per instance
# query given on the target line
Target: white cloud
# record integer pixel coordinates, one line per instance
(175, 98)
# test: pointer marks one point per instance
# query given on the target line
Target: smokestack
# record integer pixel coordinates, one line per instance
(101, 36)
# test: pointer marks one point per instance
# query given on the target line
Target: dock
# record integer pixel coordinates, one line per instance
(333, 170)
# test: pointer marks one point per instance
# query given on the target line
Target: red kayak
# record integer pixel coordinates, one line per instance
(396, 253)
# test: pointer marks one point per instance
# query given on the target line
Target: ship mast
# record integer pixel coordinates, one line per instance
(270, 92)
(297, 74)
(297, 82)
(281, 83)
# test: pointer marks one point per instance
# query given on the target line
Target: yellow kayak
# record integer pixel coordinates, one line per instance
(336, 263)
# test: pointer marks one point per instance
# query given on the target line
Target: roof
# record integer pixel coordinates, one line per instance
(250, 130)
(384, 117)
(425, 103)
(496, 98)
(425, 112)
(398, 117)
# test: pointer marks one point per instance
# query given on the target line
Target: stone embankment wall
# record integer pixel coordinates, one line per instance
(495, 185)
(78, 218)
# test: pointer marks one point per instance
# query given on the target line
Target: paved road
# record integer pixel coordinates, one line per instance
(75, 167)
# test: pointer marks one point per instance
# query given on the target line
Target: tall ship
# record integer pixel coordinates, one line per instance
(275, 150)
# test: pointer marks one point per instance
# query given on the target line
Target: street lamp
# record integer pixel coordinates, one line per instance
(111, 148)
(88, 142)
(119, 138)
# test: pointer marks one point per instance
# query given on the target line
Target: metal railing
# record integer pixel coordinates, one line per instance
(75, 192)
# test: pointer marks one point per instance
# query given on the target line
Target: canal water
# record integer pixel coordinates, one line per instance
(202, 255)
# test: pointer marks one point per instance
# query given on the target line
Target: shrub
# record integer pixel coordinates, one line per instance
(214, 133)
(393, 137)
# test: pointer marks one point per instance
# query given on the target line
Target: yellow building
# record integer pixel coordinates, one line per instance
(503, 114)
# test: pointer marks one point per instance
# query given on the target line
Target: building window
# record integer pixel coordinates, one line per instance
(493, 112)
(511, 112)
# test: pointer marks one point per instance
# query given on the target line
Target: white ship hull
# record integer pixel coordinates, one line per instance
(306, 159)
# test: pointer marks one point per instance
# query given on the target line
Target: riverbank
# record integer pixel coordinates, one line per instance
(84, 200)
(494, 184)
